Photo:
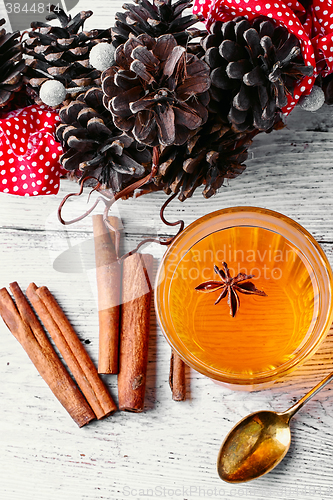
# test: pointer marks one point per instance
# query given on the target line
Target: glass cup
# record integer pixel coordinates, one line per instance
(249, 331)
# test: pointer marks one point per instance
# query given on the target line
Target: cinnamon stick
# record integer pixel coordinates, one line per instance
(134, 331)
(71, 349)
(108, 273)
(116, 223)
(177, 377)
(26, 328)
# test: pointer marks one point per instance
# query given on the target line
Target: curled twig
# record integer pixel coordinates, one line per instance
(26, 32)
(109, 201)
(160, 241)
(77, 219)
(180, 222)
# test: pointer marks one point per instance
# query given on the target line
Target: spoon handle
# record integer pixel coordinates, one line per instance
(294, 409)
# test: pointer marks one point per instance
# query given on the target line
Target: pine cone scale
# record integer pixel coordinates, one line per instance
(164, 46)
(165, 121)
(242, 100)
(140, 70)
(146, 57)
(144, 127)
(120, 104)
(109, 87)
(125, 80)
(4, 97)
(174, 64)
(186, 116)
(142, 103)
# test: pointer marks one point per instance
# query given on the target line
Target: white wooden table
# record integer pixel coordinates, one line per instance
(169, 451)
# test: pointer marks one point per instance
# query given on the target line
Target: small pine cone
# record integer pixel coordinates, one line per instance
(155, 19)
(156, 91)
(95, 147)
(12, 65)
(254, 66)
(213, 154)
(61, 52)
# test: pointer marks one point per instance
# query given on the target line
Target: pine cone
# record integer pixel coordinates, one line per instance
(95, 147)
(11, 65)
(254, 66)
(61, 52)
(156, 91)
(327, 85)
(155, 19)
(214, 153)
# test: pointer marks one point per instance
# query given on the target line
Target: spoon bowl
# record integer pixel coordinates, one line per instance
(254, 446)
(259, 442)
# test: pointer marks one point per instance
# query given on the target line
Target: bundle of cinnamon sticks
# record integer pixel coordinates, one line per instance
(124, 301)
(94, 401)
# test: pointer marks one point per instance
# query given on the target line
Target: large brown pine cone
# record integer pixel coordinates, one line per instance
(12, 65)
(254, 66)
(214, 153)
(61, 52)
(154, 18)
(156, 91)
(95, 147)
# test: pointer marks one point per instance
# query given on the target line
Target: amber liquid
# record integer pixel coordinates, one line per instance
(266, 331)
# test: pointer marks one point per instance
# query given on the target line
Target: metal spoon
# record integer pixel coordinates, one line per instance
(259, 442)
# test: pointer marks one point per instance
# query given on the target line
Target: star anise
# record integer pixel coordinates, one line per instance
(230, 286)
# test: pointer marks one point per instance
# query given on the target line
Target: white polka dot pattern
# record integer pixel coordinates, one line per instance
(320, 26)
(313, 27)
(33, 168)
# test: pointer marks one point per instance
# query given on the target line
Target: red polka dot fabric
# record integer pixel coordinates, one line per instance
(319, 27)
(29, 154)
(312, 26)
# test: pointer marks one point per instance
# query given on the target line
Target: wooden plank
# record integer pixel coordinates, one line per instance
(171, 448)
